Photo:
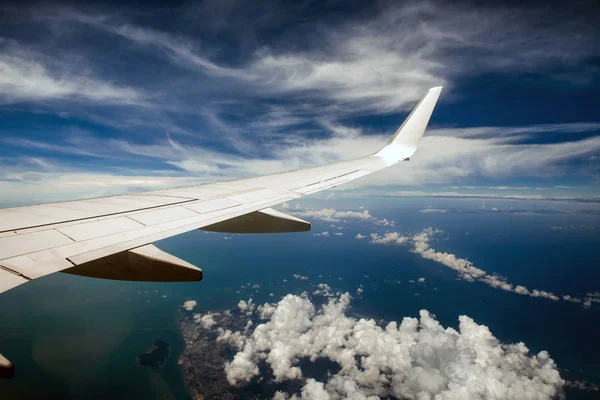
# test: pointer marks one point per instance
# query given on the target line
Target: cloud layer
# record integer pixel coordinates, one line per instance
(416, 358)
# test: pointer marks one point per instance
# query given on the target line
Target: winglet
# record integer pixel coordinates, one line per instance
(406, 139)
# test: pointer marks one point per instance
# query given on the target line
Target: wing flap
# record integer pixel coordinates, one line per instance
(263, 221)
(147, 263)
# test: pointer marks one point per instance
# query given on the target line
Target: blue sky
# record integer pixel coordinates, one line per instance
(105, 98)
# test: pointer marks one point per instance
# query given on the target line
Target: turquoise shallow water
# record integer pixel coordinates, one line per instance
(74, 337)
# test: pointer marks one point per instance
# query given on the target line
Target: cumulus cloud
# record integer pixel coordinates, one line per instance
(207, 320)
(190, 305)
(421, 244)
(322, 234)
(324, 290)
(360, 236)
(416, 358)
(247, 307)
(332, 215)
(388, 238)
(300, 277)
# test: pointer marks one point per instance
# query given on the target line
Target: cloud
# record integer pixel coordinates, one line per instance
(388, 238)
(421, 245)
(438, 160)
(300, 277)
(492, 196)
(360, 236)
(583, 386)
(247, 307)
(332, 215)
(207, 320)
(416, 358)
(324, 290)
(322, 234)
(190, 305)
(350, 68)
(433, 210)
(27, 75)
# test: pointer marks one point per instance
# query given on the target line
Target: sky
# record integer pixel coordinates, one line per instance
(107, 98)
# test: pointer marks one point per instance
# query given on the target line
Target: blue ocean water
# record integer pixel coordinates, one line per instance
(76, 337)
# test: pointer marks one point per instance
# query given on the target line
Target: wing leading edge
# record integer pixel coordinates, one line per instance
(39, 240)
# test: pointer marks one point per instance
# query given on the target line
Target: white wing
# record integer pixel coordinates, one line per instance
(111, 237)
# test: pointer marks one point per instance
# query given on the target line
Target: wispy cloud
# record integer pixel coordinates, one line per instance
(273, 105)
(27, 75)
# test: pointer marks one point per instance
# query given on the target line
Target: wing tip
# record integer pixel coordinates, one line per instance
(404, 142)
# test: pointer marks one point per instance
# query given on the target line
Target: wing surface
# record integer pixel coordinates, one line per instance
(42, 239)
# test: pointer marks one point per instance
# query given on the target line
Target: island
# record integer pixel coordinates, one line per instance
(155, 358)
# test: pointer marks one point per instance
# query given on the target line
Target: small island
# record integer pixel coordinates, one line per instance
(157, 356)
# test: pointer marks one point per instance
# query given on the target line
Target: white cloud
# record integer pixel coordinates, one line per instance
(324, 290)
(190, 305)
(236, 339)
(300, 277)
(331, 215)
(207, 320)
(30, 76)
(433, 210)
(417, 358)
(583, 385)
(388, 238)
(360, 236)
(359, 66)
(247, 307)
(421, 245)
(322, 234)
(384, 222)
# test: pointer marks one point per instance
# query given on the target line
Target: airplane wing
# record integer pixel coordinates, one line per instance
(111, 237)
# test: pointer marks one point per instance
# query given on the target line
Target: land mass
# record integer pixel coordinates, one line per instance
(157, 356)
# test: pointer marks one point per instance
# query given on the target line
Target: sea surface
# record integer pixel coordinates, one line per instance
(80, 338)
